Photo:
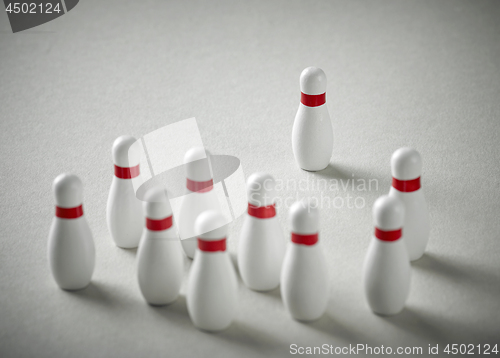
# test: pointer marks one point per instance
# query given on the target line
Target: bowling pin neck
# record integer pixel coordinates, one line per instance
(262, 212)
(159, 224)
(127, 172)
(388, 235)
(69, 213)
(208, 246)
(199, 186)
(68, 190)
(306, 240)
(406, 186)
(312, 100)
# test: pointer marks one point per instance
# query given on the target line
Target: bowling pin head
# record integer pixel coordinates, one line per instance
(406, 167)
(197, 163)
(406, 164)
(313, 81)
(304, 221)
(68, 190)
(210, 225)
(260, 189)
(126, 153)
(156, 203)
(388, 214)
(198, 170)
(304, 217)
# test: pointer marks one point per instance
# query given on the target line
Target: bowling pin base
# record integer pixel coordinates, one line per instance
(388, 313)
(126, 247)
(161, 304)
(314, 170)
(263, 290)
(74, 289)
(307, 319)
(212, 330)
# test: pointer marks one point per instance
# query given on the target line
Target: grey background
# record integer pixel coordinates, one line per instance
(420, 73)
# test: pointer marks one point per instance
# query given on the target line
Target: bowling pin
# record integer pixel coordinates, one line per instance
(261, 247)
(160, 261)
(406, 167)
(387, 266)
(304, 282)
(312, 134)
(200, 196)
(212, 286)
(124, 211)
(71, 250)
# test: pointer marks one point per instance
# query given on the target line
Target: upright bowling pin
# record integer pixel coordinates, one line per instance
(200, 196)
(160, 261)
(71, 248)
(304, 282)
(124, 212)
(312, 134)
(212, 286)
(387, 267)
(261, 247)
(406, 166)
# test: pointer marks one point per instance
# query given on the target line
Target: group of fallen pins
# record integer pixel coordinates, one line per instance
(265, 262)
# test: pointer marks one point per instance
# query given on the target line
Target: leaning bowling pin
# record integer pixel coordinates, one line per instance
(200, 196)
(212, 286)
(406, 167)
(160, 261)
(387, 266)
(261, 246)
(124, 211)
(304, 282)
(71, 250)
(312, 134)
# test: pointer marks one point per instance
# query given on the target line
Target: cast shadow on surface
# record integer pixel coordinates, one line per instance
(238, 332)
(94, 293)
(242, 334)
(273, 293)
(460, 272)
(176, 312)
(418, 323)
(329, 325)
(463, 276)
(434, 329)
(344, 179)
(344, 173)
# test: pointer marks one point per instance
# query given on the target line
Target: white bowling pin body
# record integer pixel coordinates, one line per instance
(212, 286)
(124, 212)
(71, 250)
(160, 261)
(304, 280)
(386, 271)
(312, 133)
(200, 196)
(406, 166)
(261, 245)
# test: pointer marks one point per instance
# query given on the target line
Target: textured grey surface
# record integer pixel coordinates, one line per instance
(424, 74)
